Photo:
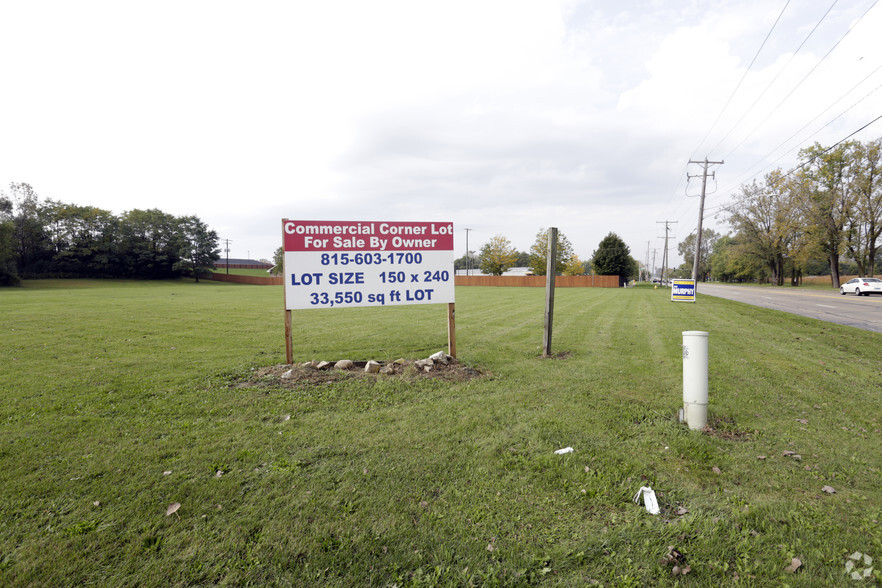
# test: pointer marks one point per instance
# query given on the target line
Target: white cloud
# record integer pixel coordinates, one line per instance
(503, 116)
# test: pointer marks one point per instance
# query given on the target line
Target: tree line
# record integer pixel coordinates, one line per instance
(52, 239)
(823, 215)
(612, 257)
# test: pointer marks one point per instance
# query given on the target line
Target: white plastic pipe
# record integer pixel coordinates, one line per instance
(695, 378)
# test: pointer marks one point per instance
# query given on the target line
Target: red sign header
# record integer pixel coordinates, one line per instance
(367, 236)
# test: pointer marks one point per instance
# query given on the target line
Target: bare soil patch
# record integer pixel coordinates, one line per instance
(299, 374)
(725, 428)
(558, 355)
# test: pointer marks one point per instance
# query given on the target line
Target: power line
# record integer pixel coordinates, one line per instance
(833, 146)
(805, 163)
(796, 87)
(691, 205)
(665, 253)
(737, 86)
(673, 194)
(731, 96)
(828, 123)
(705, 164)
(747, 173)
(775, 79)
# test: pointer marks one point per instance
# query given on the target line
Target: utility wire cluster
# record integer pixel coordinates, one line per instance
(685, 207)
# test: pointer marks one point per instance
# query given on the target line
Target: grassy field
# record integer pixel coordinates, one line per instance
(120, 399)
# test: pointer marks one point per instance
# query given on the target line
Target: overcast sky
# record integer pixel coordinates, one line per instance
(502, 116)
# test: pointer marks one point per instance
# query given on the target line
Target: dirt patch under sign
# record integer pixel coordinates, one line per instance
(309, 373)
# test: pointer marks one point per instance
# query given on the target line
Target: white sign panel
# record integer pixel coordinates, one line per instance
(340, 264)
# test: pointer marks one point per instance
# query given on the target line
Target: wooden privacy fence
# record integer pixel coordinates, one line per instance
(502, 281)
(223, 265)
(539, 281)
(823, 280)
(259, 280)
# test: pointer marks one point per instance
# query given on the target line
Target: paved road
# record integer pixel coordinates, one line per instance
(863, 312)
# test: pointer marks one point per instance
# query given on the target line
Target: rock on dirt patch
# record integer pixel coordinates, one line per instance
(319, 372)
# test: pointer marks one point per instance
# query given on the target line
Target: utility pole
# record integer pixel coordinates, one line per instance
(705, 164)
(468, 257)
(646, 265)
(652, 273)
(227, 251)
(665, 252)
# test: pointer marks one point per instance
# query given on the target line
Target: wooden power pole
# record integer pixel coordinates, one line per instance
(665, 252)
(705, 164)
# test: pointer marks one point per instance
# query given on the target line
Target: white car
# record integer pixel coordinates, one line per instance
(862, 287)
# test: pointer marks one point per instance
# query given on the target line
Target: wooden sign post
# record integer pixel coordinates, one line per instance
(549, 290)
(451, 329)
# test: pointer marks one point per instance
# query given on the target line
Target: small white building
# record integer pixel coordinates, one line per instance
(513, 271)
(518, 271)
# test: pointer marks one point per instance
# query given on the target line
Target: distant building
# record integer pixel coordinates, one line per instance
(232, 263)
(512, 271)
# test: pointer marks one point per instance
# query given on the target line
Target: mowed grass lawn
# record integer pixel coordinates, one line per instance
(119, 399)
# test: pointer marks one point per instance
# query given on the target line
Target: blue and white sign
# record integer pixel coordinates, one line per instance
(683, 290)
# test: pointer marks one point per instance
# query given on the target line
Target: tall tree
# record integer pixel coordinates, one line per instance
(686, 248)
(467, 262)
(865, 224)
(725, 261)
(33, 249)
(198, 246)
(539, 253)
(8, 273)
(151, 244)
(278, 261)
(574, 266)
(51, 238)
(828, 201)
(497, 255)
(613, 258)
(766, 218)
(84, 240)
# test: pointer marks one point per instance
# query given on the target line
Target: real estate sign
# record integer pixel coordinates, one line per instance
(339, 264)
(682, 290)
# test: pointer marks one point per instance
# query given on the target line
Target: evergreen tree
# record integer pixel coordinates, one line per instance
(613, 258)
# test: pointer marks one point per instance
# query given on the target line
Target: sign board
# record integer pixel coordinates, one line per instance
(682, 290)
(340, 264)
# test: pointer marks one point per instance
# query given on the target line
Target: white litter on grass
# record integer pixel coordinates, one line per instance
(649, 499)
(852, 566)
(564, 450)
